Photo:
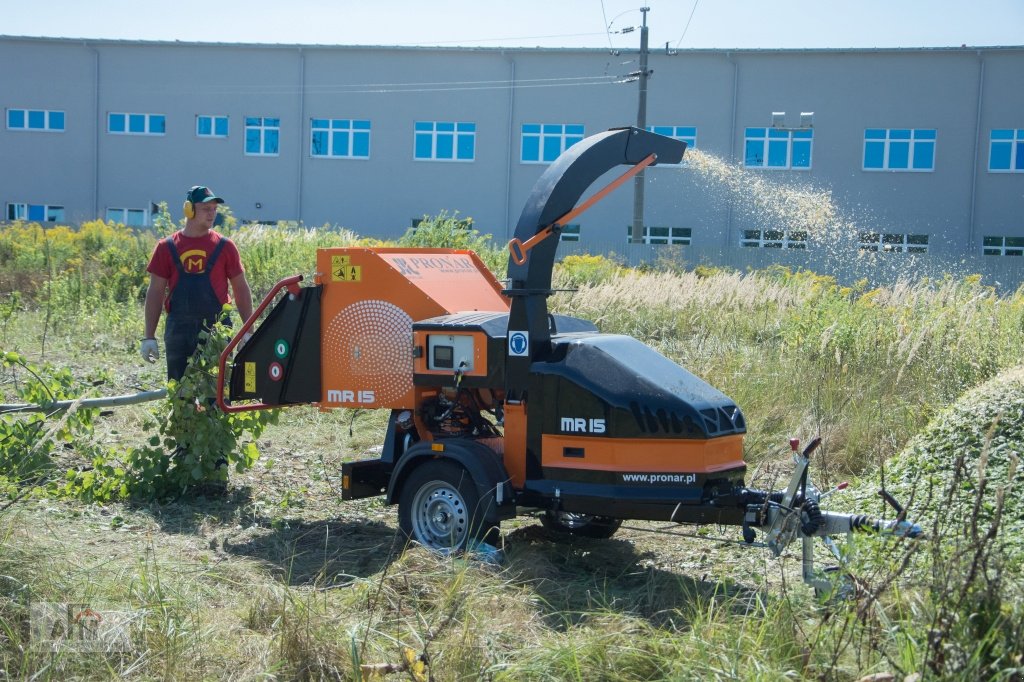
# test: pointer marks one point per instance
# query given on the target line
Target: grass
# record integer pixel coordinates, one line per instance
(280, 580)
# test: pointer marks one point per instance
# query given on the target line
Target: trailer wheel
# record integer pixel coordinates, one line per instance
(581, 525)
(440, 509)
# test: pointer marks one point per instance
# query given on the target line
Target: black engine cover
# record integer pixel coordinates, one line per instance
(637, 391)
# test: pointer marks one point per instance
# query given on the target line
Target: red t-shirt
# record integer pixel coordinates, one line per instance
(194, 252)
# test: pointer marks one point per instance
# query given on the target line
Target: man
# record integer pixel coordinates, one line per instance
(189, 273)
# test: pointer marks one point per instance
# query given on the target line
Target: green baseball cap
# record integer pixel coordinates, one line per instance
(201, 195)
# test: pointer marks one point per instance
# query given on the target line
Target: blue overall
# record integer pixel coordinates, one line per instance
(193, 307)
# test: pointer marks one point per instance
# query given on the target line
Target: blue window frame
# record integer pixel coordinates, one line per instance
(545, 142)
(893, 242)
(136, 124)
(340, 138)
(777, 149)
(35, 120)
(899, 149)
(132, 217)
(1003, 246)
(660, 235)
(444, 141)
(570, 233)
(37, 213)
(1006, 150)
(211, 126)
(774, 239)
(262, 136)
(687, 134)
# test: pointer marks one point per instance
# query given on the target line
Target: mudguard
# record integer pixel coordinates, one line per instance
(483, 465)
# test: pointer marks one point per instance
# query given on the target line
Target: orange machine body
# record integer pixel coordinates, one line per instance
(370, 299)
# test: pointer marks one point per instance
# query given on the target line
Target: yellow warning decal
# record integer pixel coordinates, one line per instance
(343, 271)
(250, 377)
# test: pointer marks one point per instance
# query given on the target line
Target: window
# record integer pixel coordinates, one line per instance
(262, 136)
(35, 119)
(1006, 151)
(133, 217)
(37, 213)
(1003, 246)
(136, 124)
(687, 134)
(774, 239)
(663, 235)
(211, 126)
(340, 138)
(899, 149)
(893, 243)
(778, 149)
(444, 141)
(570, 233)
(545, 142)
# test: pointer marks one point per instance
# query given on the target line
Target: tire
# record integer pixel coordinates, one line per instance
(581, 525)
(439, 508)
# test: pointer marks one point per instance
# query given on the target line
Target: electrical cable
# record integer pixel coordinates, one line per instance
(491, 40)
(418, 84)
(687, 27)
(354, 89)
(607, 32)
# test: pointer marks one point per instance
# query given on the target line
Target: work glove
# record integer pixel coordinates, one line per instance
(150, 350)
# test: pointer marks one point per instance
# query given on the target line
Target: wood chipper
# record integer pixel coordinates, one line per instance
(498, 407)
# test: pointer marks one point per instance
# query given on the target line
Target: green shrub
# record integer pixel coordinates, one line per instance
(28, 440)
(576, 270)
(445, 231)
(272, 252)
(106, 260)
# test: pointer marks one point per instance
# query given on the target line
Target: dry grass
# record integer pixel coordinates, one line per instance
(280, 580)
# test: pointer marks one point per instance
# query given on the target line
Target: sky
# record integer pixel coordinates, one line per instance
(530, 23)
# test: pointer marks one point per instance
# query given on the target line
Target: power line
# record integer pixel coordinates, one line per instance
(398, 88)
(687, 27)
(559, 79)
(492, 40)
(507, 86)
(607, 32)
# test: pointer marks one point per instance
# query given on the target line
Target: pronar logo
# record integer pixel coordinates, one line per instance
(364, 397)
(581, 425)
(414, 266)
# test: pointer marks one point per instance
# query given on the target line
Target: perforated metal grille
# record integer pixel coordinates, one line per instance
(371, 342)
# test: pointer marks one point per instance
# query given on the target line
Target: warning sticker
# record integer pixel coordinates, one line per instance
(250, 377)
(343, 271)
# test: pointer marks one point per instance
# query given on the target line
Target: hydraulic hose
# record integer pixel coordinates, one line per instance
(87, 403)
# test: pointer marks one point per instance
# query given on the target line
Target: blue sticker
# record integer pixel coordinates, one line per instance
(519, 344)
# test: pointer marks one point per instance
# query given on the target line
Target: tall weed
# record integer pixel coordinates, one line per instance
(451, 232)
(801, 354)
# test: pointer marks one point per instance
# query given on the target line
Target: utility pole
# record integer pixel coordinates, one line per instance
(641, 123)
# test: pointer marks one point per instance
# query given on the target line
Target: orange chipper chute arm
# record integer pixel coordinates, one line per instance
(519, 250)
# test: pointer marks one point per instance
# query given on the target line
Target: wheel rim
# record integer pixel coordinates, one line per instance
(440, 520)
(573, 521)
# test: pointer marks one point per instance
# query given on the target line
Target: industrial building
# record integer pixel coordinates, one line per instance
(918, 153)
